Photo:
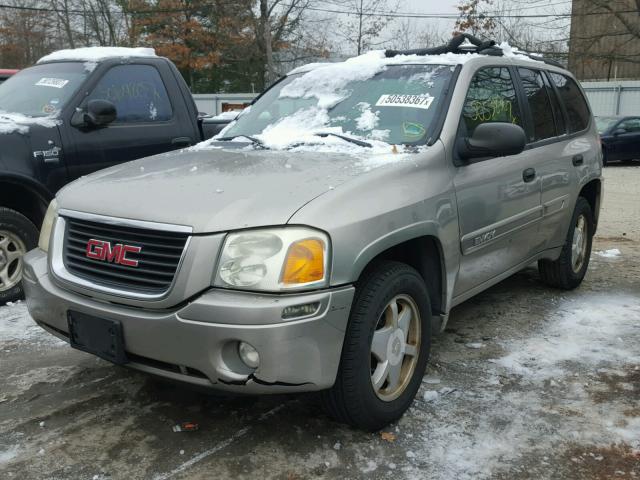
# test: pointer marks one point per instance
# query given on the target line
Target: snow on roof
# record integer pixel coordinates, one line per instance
(378, 57)
(95, 54)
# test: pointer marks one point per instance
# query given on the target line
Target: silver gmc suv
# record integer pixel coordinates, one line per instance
(321, 239)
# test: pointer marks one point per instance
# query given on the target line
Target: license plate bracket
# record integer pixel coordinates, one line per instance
(97, 336)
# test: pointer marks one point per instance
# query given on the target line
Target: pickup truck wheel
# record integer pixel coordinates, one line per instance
(386, 348)
(570, 268)
(17, 236)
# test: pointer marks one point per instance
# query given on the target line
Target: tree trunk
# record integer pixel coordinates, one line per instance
(265, 27)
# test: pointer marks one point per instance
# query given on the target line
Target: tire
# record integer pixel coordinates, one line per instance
(17, 236)
(353, 398)
(563, 273)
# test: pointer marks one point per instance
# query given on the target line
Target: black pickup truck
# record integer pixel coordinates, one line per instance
(72, 114)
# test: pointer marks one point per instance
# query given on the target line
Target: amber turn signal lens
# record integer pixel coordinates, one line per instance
(304, 262)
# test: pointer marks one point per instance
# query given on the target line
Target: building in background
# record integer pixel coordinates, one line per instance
(604, 42)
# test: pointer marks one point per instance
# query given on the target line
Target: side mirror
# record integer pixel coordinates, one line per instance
(99, 113)
(493, 140)
(618, 131)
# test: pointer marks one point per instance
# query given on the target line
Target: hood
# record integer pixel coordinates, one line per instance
(215, 190)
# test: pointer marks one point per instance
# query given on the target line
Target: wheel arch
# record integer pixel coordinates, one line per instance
(25, 196)
(591, 191)
(425, 254)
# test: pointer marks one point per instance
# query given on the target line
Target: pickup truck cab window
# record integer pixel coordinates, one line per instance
(42, 90)
(138, 93)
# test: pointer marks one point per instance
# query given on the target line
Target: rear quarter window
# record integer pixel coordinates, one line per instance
(578, 113)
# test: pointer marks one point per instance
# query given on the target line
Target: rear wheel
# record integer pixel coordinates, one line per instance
(386, 348)
(17, 236)
(568, 271)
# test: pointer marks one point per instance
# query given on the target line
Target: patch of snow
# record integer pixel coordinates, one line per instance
(474, 345)
(229, 115)
(611, 253)
(430, 395)
(368, 119)
(90, 66)
(16, 122)
(16, 326)
(9, 453)
(96, 54)
(431, 380)
(153, 111)
(588, 333)
(371, 466)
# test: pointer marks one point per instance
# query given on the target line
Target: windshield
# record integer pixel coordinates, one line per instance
(397, 105)
(42, 90)
(604, 123)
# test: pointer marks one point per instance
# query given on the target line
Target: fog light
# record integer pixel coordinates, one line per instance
(295, 311)
(248, 355)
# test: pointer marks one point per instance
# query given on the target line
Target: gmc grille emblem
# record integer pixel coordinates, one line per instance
(104, 251)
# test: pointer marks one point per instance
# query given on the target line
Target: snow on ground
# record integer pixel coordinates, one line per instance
(611, 253)
(95, 54)
(541, 394)
(16, 122)
(16, 326)
(595, 334)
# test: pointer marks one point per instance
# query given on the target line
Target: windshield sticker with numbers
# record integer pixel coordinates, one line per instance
(423, 101)
(52, 82)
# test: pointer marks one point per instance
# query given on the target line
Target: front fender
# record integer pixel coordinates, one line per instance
(410, 198)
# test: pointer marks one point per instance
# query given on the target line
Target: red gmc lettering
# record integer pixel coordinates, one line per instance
(102, 250)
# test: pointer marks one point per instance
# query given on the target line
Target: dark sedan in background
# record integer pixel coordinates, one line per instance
(620, 138)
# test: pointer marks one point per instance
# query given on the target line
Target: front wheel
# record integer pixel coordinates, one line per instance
(386, 348)
(17, 236)
(568, 271)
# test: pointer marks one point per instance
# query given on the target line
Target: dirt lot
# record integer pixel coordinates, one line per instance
(526, 383)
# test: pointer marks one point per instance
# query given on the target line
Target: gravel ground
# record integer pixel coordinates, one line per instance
(526, 382)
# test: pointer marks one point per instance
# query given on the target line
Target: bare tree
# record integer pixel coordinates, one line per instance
(407, 35)
(362, 28)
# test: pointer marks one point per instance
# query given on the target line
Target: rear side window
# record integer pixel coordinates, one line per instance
(539, 104)
(575, 104)
(137, 92)
(491, 98)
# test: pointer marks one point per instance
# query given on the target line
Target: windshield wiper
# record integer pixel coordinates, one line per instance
(343, 137)
(253, 140)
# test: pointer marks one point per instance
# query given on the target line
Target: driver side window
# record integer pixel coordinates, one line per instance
(138, 93)
(491, 98)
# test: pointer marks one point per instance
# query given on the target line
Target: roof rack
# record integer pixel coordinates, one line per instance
(475, 45)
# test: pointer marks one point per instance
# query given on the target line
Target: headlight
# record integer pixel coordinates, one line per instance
(274, 259)
(47, 225)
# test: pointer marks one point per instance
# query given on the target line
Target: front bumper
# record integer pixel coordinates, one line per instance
(196, 342)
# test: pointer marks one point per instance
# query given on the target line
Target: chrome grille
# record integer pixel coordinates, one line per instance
(158, 258)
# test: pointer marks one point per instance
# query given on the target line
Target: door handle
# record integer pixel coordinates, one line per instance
(529, 175)
(577, 160)
(186, 141)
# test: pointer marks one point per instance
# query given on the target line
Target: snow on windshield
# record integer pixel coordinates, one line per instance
(344, 99)
(95, 54)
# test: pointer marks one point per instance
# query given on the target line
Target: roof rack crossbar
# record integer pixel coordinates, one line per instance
(455, 45)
